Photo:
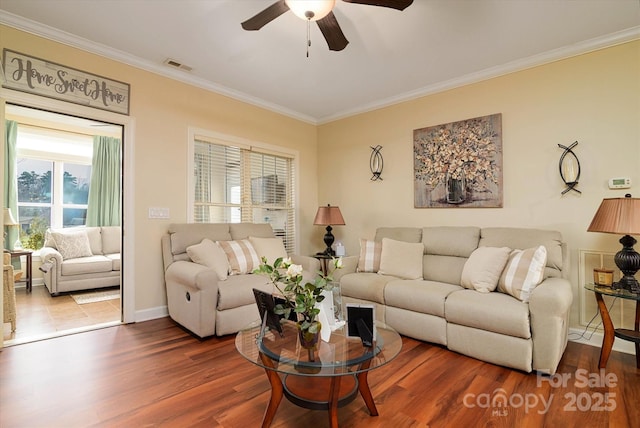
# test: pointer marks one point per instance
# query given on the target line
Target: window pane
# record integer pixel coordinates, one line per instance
(34, 221)
(74, 217)
(34, 180)
(76, 184)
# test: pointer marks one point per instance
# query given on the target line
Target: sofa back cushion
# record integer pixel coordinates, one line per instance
(244, 230)
(447, 249)
(406, 234)
(184, 235)
(111, 239)
(522, 239)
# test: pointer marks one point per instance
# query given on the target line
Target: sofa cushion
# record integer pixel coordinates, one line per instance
(237, 290)
(401, 259)
(451, 240)
(370, 252)
(482, 269)
(241, 255)
(184, 235)
(84, 265)
(406, 234)
(208, 253)
(271, 248)
(426, 297)
(111, 239)
(443, 268)
(244, 230)
(365, 286)
(115, 259)
(496, 312)
(524, 271)
(72, 245)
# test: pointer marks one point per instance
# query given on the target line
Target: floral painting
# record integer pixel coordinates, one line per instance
(459, 164)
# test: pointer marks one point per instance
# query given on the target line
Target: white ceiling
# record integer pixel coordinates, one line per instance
(392, 56)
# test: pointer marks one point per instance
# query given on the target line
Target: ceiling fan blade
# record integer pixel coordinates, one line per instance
(332, 32)
(266, 16)
(393, 4)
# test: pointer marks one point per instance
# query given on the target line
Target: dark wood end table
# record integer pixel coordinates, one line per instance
(610, 332)
(28, 278)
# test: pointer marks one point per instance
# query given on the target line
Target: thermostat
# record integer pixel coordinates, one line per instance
(619, 183)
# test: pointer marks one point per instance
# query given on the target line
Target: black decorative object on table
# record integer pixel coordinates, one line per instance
(622, 217)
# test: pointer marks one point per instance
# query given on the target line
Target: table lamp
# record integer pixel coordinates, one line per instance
(621, 216)
(327, 216)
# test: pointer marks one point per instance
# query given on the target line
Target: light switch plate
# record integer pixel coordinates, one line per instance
(158, 212)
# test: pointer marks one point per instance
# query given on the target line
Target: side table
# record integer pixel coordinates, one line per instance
(28, 277)
(610, 332)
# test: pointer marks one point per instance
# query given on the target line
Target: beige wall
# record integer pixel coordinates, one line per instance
(163, 110)
(592, 98)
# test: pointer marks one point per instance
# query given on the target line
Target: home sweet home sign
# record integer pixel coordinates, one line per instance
(37, 76)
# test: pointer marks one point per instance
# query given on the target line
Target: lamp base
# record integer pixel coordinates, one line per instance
(328, 241)
(628, 261)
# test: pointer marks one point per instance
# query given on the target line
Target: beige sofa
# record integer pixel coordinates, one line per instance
(493, 326)
(81, 258)
(201, 294)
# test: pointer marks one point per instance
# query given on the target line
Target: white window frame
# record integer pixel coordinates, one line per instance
(233, 141)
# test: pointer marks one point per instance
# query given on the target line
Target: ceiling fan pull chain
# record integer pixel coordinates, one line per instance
(308, 35)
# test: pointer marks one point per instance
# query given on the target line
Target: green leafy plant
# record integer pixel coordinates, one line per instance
(34, 239)
(300, 297)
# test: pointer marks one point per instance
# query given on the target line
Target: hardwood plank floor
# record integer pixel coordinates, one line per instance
(154, 374)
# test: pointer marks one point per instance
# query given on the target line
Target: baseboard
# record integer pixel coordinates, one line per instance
(152, 313)
(595, 339)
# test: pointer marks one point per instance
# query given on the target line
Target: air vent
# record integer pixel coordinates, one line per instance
(175, 64)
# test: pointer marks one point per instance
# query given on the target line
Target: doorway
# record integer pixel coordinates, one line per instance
(54, 150)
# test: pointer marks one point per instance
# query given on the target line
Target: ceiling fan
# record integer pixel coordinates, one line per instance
(319, 11)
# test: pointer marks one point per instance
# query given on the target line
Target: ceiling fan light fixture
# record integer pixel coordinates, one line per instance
(310, 10)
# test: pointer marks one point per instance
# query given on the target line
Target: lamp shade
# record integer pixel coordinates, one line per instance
(8, 218)
(329, 216)
(617, 215)
(312, 10)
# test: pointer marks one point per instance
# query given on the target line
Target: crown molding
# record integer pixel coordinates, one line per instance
(69, 39)
(565, 52)
(74, 41)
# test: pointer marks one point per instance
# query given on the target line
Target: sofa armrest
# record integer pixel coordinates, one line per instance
(549, 308)
(308, 263)
(191, 275)
(349, 265)
(48, 254)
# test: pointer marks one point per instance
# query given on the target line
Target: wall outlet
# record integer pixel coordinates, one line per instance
(157, 212)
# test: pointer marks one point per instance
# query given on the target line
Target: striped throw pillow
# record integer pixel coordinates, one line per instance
(524, 271)
(370, 252)
(242, 256)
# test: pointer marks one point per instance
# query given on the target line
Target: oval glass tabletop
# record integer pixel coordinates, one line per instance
(340, 356)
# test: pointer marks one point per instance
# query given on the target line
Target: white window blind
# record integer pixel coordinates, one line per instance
(234, 184)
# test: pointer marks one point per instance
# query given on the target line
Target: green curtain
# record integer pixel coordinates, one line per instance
(104, 187)
(11, 180)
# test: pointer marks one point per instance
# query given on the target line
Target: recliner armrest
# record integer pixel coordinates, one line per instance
(349, 265)
(553, 296)
(308, 263)
(51, 255)
(191, 275)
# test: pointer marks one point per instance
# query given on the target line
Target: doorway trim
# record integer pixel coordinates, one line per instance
(128, 224)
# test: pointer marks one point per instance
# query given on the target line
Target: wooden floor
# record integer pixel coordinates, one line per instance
(40, 315)
(154, 374)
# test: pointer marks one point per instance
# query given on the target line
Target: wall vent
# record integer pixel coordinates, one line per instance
(176, 64)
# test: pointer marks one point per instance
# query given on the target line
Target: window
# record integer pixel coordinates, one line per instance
(54, 171)
(234, 184)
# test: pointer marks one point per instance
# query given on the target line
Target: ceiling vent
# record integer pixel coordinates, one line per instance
(175, 64)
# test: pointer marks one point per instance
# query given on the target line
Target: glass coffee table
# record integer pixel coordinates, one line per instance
(326, 379)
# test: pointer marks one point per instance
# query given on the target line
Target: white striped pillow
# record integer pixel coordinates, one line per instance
(524, 271)
(370, 252)
(242, 256)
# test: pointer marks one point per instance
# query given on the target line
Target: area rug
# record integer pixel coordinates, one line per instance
(96, 296)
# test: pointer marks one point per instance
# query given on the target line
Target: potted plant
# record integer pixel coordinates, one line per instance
(301, 298)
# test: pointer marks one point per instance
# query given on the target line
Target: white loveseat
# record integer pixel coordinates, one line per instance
(81, 258)
(209, 294)
(425, 288)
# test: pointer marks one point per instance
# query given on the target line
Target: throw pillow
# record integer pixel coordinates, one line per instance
(401, 259)
(524, 271)
(271, 248)
(241, 255)
(370, 252)
(208, 253)
(482, 269)
(72, 245)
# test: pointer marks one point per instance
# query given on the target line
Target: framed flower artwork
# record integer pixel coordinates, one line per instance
(459, 164)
